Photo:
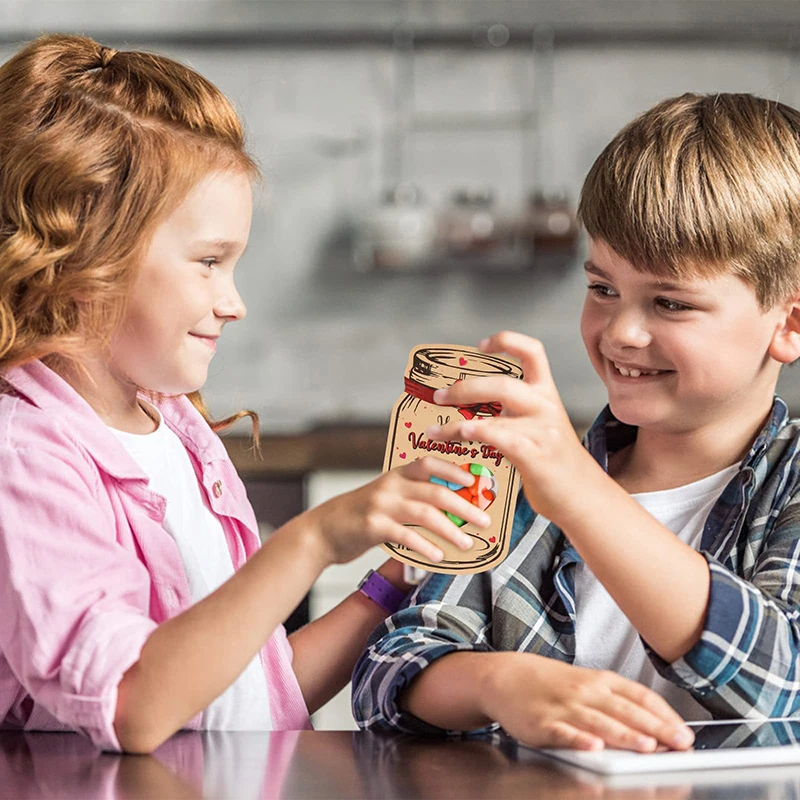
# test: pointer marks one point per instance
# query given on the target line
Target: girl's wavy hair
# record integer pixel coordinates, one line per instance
(96, 147)
(704, 185)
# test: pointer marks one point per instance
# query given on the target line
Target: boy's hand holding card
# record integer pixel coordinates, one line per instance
(534, 430)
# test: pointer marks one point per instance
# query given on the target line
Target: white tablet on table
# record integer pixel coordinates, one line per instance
(718, 744)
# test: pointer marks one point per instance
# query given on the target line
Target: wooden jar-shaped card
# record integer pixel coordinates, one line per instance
(494, 490)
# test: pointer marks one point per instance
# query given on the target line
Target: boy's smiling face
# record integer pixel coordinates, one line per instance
(677, 355)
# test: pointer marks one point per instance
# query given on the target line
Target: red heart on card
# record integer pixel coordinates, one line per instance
(408, 424)
(402, 455)
(462, 361)
(493, 539)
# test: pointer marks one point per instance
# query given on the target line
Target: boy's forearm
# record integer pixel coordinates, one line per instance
(191, 659)
(450, 692)
(661, 584)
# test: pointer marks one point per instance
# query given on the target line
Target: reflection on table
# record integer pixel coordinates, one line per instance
(328, 764)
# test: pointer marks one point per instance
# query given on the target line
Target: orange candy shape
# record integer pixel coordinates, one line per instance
(482, 493)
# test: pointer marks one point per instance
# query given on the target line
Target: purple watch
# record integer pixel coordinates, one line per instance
(381, 591)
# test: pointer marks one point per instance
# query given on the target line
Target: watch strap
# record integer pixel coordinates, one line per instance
(381, 591)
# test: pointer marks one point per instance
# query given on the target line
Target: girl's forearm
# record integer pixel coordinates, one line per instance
(326, 650)
(191, 659)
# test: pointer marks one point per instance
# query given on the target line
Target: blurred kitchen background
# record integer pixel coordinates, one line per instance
(422, 164)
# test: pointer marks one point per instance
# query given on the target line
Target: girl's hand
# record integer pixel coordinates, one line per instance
(348, 525)
(547, 703)
(533, 431)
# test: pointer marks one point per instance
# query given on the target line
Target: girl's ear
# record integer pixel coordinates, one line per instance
(785, 344)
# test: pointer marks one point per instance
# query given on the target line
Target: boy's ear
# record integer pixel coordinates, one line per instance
(785, 344)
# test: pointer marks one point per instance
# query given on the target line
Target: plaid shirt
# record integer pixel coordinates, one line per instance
(746, 661)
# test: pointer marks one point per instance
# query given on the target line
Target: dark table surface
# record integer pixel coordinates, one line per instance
(330, 764)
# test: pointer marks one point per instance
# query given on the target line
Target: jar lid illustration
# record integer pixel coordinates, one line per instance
(436, 367)
(442, 365)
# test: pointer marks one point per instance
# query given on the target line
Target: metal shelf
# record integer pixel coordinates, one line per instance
(495, 121)
(338, 23)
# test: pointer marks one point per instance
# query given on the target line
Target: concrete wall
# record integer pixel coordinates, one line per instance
(323, 342)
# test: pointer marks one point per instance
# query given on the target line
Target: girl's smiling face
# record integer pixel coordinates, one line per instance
(184, 292)
(676, 355)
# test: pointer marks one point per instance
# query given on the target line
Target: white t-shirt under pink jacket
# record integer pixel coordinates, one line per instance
(188, 518)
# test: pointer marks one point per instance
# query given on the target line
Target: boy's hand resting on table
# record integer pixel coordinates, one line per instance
(547, 703)
(351, 523)
(533, 431)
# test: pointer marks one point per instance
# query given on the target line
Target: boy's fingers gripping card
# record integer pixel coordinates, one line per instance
(495, 480)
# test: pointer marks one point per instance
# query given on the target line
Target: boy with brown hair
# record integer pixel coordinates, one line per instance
(653, 574)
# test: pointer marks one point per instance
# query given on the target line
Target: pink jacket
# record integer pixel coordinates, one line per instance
(86, 569)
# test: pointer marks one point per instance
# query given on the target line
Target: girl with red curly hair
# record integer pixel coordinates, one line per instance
(136, 597)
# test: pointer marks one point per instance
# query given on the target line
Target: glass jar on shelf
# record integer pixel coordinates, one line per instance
(399, 234)
(469, 226)
(548, 225)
